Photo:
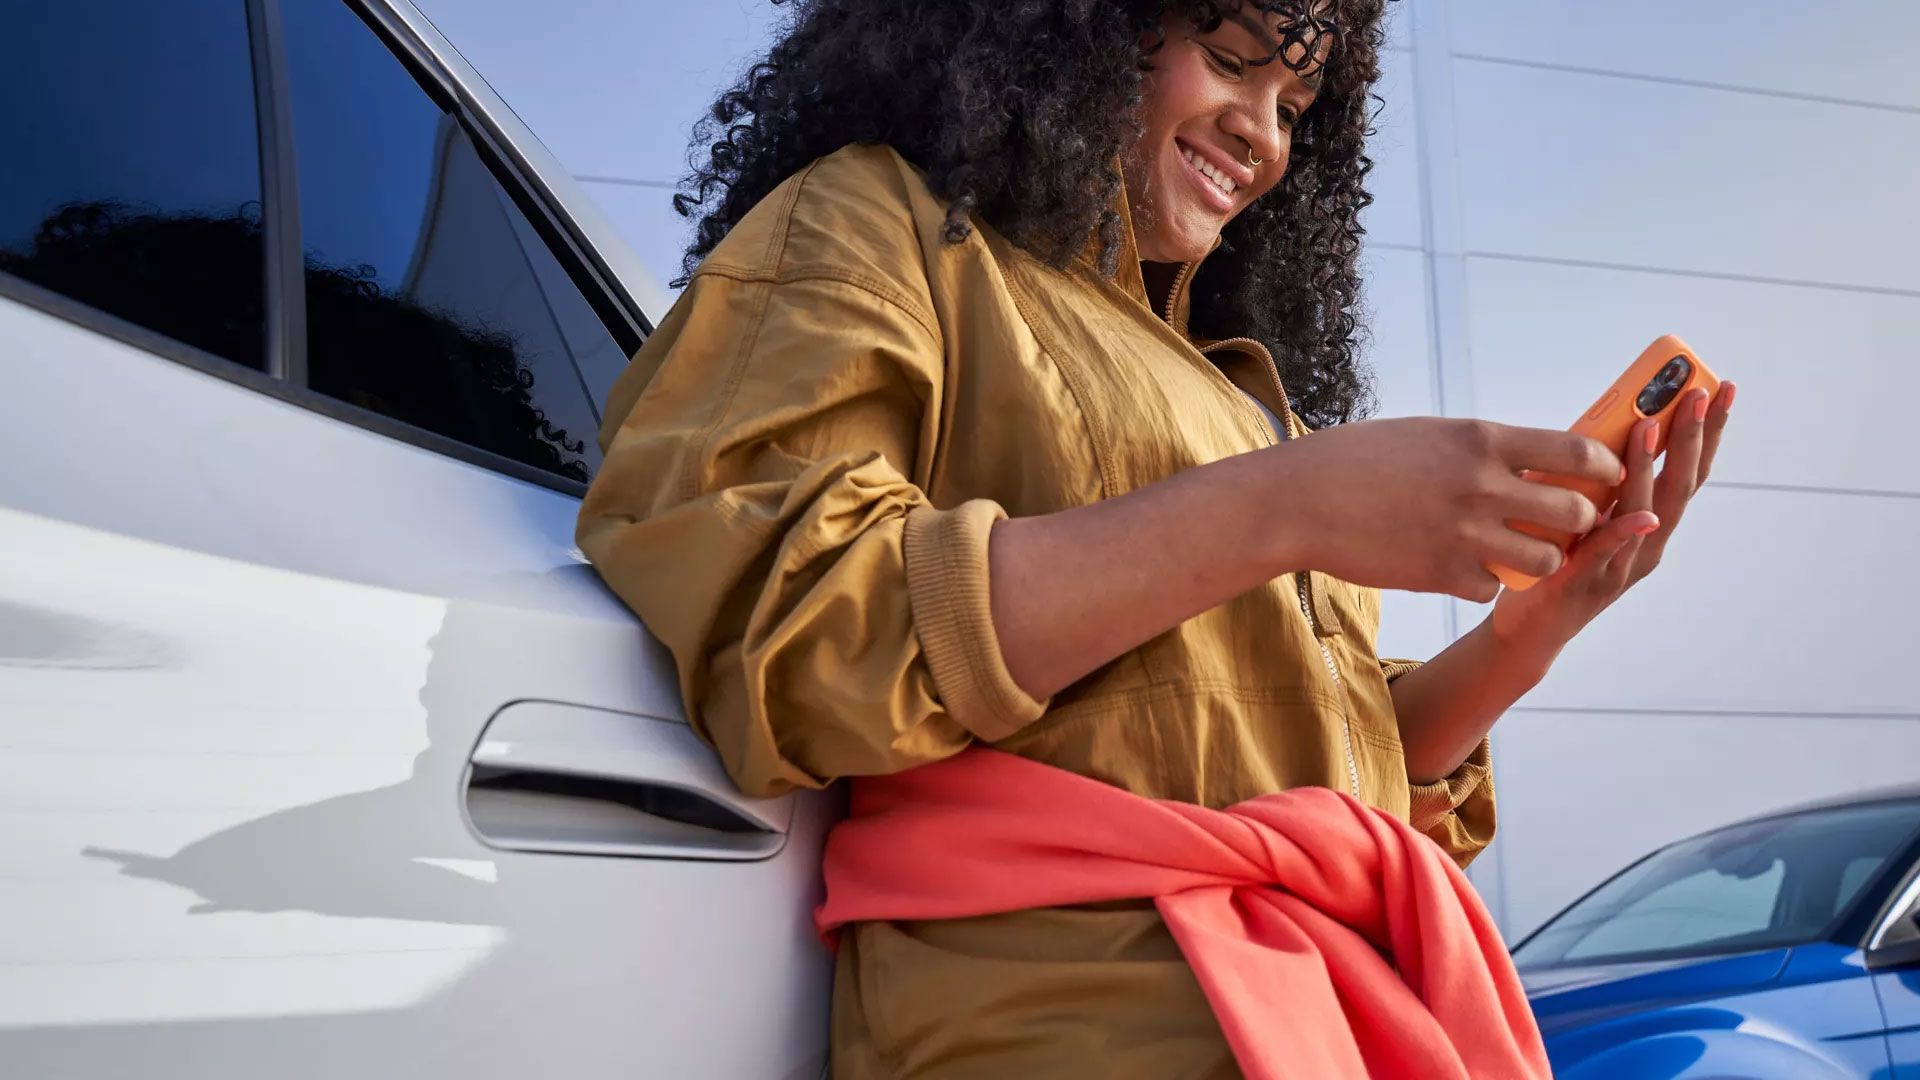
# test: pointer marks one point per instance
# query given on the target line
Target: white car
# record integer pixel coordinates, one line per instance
(323, 753)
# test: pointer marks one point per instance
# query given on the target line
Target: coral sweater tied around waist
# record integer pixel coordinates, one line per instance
(1331, 939)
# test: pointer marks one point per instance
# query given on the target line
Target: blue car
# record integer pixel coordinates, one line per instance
(1786, 946)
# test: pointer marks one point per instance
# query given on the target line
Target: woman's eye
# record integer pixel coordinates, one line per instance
(1225, 63)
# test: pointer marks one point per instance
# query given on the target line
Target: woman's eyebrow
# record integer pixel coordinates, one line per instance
(1255, 29)
(1264, 38)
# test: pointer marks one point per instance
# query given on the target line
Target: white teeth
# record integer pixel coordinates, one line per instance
(1220, 179)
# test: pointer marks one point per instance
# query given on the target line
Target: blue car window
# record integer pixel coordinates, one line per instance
(131, 181)
(431, 298)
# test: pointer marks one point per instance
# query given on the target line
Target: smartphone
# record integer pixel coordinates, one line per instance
(1652, 386)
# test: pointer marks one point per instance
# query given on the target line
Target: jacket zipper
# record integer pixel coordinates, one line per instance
(1273, 372)
(1173, 294)
(1339, 689)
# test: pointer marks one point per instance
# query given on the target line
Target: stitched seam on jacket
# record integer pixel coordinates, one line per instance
(697, 445)
(1075, 379)
(891, 294)
(783, 221)
(776, 248)
(1381, 740)
(1167, 693)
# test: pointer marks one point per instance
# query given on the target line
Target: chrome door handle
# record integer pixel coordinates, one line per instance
(577, 780)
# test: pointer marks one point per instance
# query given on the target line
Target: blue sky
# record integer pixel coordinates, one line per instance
(613, 87)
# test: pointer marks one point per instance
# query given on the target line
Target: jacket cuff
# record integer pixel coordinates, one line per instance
(1430, 804)
(1393, 669)
(947, 590)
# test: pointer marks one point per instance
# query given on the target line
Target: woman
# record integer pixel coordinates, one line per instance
(984, 418)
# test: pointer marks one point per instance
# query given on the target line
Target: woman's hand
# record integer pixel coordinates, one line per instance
(1629, 543)
(1424, 503)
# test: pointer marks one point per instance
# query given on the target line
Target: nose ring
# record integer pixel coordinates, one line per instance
(1254, 161)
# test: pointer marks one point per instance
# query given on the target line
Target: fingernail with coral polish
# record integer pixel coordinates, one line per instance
(1700, 406)
(1645, 529)
(1652, 437)
(1732, 389)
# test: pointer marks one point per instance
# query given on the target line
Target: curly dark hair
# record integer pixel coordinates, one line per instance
(1018, 110)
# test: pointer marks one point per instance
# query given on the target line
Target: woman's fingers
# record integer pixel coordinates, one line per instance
(1476, 585)
(1681, 476)
(1612, 551)
(1716, 424)
(1551, 506)
(1637, 492)
(1529, 555)
(1560, 453)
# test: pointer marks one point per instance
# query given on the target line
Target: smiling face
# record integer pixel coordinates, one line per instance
(1213, 108)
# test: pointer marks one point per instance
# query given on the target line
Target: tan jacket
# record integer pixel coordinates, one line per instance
(802, 467)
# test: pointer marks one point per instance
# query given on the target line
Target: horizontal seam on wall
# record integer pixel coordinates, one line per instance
(1644, 710)
(1803, 489)
(1715, 275)
(1697, 84)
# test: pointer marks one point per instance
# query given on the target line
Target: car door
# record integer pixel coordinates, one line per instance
(322, 752)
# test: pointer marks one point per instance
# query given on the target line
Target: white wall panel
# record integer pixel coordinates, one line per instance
(1767, 601)
(1413, 626)
(1826, 376)
(1402, 362)
(1585, 167)
(1394, 217)
(1399, 23)
(1584, 794)
(1792, 46)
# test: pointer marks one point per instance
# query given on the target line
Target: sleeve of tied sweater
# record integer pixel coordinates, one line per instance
(758, 508)
(1457, 811)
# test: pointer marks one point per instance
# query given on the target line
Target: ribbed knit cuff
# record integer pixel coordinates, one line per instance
(947, 590)
(1393, 669)
(1430, 804)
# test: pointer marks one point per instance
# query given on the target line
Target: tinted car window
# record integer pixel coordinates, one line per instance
(430, 298)
(1779, 881)
(131, 179)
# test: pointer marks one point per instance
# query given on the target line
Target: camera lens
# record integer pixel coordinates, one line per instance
(1664, 386)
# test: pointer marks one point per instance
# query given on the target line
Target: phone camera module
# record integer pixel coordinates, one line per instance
(1664, 386)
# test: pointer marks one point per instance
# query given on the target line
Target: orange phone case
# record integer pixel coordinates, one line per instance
(1611, 420)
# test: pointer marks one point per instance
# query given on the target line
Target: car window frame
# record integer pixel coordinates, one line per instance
(1899, 901)
(285, 376)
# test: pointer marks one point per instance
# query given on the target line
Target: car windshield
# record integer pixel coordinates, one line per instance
(1762, 884)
